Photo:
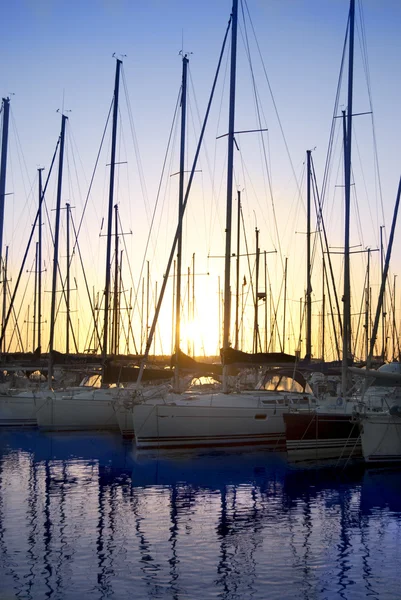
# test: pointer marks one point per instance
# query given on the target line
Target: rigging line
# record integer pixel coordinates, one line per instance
(205, 150)
(157, 198)
(322, 227)
(64, 297)
(332, 209)
(187, 191)
(366, 190)
(73, 146)
(136, 147)
(261, 135)
(16, 326)
(356, 333)
(20, 155)
(262, 140)
(132, 280)
(215, 215)
(59, 270)
(168, 184)
(358, 215)
(250, 180)
(129, 323)
(92, 178)
(270, 88)
(250, 270)
(191, 115)
(28, 246)
(86, 283)
(16, 316)
(333, 122)
(369, 87)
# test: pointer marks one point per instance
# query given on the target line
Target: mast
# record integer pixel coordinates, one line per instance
(5, 268)
(35, 298)
(3, 167)
(256, 313)
(367, 307)
(180, 218)
(347, 177)
(40, 261)
(265, 267)
(384, 277)
(394, 323)
(237, 273)
(323, 309)
(147, 300)
(285, 301)
(308, 261)
(110, 210)
(56, 243)
(3, 170)
(193, 301)
(384, 344)
(67, 336)
(230, 163)
(114, 344)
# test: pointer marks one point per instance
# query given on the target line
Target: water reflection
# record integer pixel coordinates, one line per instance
(84, 516)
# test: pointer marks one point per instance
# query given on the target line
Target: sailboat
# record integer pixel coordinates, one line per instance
(328, 431)
(333, 431)
(88, 407)
(381, 431)
(223, 418)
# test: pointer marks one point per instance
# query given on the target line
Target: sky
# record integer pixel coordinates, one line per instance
(59, 56)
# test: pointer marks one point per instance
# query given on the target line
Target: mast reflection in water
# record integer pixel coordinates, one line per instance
(82, 517)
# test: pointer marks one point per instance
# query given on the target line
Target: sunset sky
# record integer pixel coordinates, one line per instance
(58, 56)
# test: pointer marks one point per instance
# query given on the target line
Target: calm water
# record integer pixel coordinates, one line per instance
(83, 516)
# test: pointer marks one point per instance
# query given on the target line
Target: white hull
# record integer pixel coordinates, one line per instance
(210, 420)
(83, 411)
(381, 438)
(17, 410)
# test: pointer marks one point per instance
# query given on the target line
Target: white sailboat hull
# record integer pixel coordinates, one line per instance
(84, 411)
(381, 438)
(17, 410)
(211, 420)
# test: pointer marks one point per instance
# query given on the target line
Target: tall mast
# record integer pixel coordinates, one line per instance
(110, 211)
(367, 307)
(256, 312)
(56, 244)
(265, 269)
(193, 300)
(395, 356)
(67, 336)
(285, 301)
(5, 268)
(308, 261)
(323, 308)
(347, 177)
(115, 344)
(237, 272)
(180, 218)
(3, 167)
(230, 164)
(35, 299)
(383, 315)
(40, 261)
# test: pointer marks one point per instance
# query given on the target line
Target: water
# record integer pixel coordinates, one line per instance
(83, 516)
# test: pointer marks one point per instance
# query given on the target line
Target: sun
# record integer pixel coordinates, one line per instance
(199, 339)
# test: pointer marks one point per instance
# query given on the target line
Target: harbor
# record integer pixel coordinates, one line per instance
(84, 515)
(200, 350)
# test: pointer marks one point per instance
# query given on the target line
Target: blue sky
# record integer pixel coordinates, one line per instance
(55, 52)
